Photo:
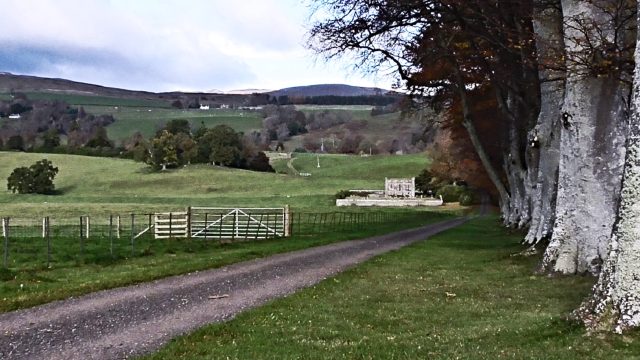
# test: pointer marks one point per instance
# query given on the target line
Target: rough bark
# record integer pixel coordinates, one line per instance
(615, 301)
(591, 161)
(544, 152)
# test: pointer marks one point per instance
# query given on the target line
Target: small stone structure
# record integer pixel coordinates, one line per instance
(396, 193)
(405, 188)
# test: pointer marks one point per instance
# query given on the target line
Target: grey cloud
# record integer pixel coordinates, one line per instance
(111, 68)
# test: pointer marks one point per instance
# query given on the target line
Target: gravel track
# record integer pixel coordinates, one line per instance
(134, 320)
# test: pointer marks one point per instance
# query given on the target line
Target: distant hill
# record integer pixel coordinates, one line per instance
(57, 87)
(27, 83)
(330, 90)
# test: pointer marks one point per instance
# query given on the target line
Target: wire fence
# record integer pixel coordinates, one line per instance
(49, 242)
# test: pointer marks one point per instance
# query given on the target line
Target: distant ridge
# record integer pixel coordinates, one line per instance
(331, 90)
(12, 82)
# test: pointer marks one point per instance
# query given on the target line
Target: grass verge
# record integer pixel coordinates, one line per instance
(460, 295)
(21, 289)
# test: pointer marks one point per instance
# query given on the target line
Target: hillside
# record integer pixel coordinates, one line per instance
(26, 83)
(62, 89)
(329, 90)
(100, 186)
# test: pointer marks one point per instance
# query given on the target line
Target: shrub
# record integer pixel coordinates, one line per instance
(38, 178)
(424, 181)
(343, 194)
(466, 199)
(451, 193)
(260, 162)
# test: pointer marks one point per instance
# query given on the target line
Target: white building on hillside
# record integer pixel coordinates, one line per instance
(14, 116)
(204, 107)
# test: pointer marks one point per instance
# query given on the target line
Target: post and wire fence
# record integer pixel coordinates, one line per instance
(60, 242)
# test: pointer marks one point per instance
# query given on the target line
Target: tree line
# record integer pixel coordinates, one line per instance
(43, 123)
(555, 83)
(175, 145)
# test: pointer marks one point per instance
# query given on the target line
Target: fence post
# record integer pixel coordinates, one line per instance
(189, 222)
(5, 235)
(133, 233)
(220, 227)
(170, 224)
(206, 224)
(82, 236)
(118, 224)
(287, 221)
(235, 224)
(48, 235)
(111, 235)
(88, 226)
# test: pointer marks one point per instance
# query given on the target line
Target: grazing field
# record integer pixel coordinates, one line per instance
(148, 120)
(459, 295)
(100, 186)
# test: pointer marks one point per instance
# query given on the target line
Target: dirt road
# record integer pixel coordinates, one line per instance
(123, 322)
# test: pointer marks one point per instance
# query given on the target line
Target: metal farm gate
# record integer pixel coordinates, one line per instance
(246, 224)
(223, 223)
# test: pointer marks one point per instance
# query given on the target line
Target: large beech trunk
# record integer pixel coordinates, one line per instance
(592, 155)
(544, 139)
(615, 302)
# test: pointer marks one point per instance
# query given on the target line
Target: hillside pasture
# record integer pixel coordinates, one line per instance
(100, 186)
(148, 120)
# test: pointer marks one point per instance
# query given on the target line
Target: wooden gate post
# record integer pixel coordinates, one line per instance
(287, 221)
(5, 235)
(189, 222)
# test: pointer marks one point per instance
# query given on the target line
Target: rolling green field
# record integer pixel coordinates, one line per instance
(459, 295)
(100, 186)
(147, 120)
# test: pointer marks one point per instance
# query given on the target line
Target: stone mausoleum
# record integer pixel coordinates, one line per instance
(397, 193)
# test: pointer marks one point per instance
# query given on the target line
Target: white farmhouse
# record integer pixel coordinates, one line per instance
(204, 107)
(14, 116)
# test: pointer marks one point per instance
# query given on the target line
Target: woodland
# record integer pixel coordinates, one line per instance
(545, 95)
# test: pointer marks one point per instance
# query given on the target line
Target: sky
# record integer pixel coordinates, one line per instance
(169, 45)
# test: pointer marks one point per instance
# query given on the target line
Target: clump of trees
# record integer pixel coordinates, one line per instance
(35, 179)
(282, 122)
(43, 123)
(175, 145)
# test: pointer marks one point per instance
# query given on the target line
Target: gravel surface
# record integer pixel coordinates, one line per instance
(125, 322)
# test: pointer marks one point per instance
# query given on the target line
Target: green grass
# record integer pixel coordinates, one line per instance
(72, 274)
(100, 186)
(148, 119)
(460, 295)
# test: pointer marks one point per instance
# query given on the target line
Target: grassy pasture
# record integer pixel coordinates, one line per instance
(459, 295)
(147, 120)
(100, 186)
